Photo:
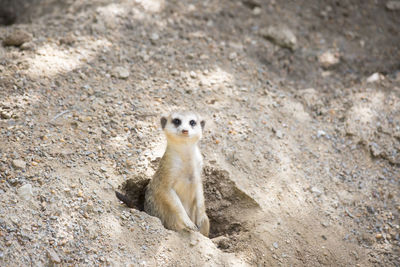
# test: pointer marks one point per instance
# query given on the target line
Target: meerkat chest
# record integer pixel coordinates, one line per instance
(187, 169)
(187, 174)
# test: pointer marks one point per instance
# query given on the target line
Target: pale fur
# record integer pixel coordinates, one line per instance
(175, 194)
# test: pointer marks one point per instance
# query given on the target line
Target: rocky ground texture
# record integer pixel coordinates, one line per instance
(301, 146)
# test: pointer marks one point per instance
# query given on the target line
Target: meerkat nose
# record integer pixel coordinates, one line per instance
(185, 131)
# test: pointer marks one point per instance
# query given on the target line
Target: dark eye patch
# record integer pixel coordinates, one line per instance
(192, 123)
(176, 122)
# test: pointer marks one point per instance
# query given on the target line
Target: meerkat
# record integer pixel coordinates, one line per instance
(175, 193)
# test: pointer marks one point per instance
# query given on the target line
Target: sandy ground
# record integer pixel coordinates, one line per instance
(301, 146)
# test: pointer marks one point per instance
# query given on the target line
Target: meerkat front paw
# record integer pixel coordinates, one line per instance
(187, 225)
(191, 226)
(204, 225)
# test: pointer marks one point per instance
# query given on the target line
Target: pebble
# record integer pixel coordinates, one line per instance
(175, 72)
(321, 133)
(5, 114)
(121, 73)
(154, 37)
(279, 134)
(28, 46)
(18, 164)
(393, 5)
(191, 8)
(17, 38)
(375, 149)
(193, 74)
(281, 36)
(232, 56)
(145, 58)
(316, 191)
(325, 224)
(275, 244)
(25, 192)
(374, 78)
(256, 11)
(193, 241)
(53, 256)
(329, 59)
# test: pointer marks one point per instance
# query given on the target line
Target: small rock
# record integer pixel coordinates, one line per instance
(193, 74)
(321, 133)
(4, 114)
(375, 149)
(103, 169)
(393, 5)
(349, 213)
(25, 191)
(378, 236)
(256, 11)
(145, 57)
(281, 36)
(374, 77)
(18, 164)
(316, 191)
(193, 241)
(154, 37)
(275, 244)
(325, 224)
(175, 72)
(53, 256)
(279, 134)
(17, 38)
(191, 8)
(120, 72)
(232, 56)
(28, 46)
(329, 59)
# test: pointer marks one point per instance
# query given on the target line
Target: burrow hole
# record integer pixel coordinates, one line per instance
(228, 208)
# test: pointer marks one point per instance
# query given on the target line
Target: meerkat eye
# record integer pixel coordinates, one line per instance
(192, 123)
(176, 122)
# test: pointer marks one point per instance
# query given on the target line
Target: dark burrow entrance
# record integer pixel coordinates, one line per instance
(229, 209)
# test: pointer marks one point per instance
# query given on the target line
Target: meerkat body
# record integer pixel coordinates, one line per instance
(175, 194)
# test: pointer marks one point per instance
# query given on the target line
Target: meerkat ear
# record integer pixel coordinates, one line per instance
(163, 122)
(202, 123)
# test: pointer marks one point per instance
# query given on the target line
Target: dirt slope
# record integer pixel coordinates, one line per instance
(301, 147)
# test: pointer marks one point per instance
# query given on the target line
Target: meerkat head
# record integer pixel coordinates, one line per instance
(183, 126)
